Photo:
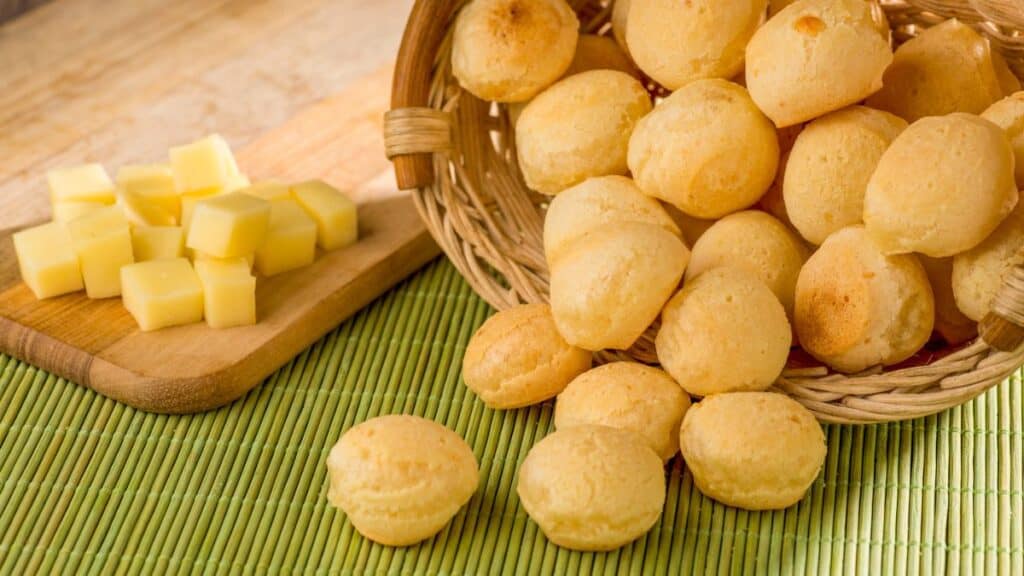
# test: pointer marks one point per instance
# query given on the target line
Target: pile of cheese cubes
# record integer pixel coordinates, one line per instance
(178, 241)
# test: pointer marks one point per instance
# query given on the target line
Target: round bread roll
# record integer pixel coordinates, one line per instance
(724, 331)
(594, 203)
(829, 168)
(579, 128)
(815, 56)
(758, 243)
(517, 358)
(509, 50)
(400, 478)
(1008, 114)
(592, 487)
(946, 68)
(677, 42)
(752, 450)
(772, 201)
(629, 396)
(774, 6)
(609, 286)
(620, 13)
(941, 187)
(951, 324)
(706, 148)
(979, 272)
(857, 307)
(692, 228)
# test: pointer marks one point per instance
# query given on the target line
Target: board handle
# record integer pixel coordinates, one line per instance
(1003, 327)
(413, 130)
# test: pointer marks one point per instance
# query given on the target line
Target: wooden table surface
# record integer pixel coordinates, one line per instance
(119, 81)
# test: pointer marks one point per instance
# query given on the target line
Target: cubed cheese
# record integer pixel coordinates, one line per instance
(88, 182)
(153, 183)
(199, 256)
(103, 244)
(203, 165)
(229, 292)
(162, 293)
(334, 213)
(48, 264)
(65, 212)
(229, 225)
(291, 239)
(157, 243)
(188, 205)
(236, 182)
(269, 191)
(141, 211)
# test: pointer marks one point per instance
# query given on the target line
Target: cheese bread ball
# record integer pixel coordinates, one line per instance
(706, 148)
(579, 128)
(979, 272)
(772, 201)
(400, 478)
(517, 358)
(609, 286)
(509, 50)
(946, 68)
(724, 331)
(752, 450)
(594, 203)
(951, 324)
(941, 187)
(676, 42)
(816, 56)
(829, 167)
(629, 396)
(691, 228)
(592, 487)
(1008, 114)
(758, 243)
(857, 307)
(620, 15)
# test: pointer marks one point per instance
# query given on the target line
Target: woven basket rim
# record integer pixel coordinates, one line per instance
(456, 154)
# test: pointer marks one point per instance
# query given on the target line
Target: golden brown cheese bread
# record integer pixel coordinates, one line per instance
(592, 487)
(816, 56)
(579, 128)
(1008, 114)
(517, 358)
(829, 167)
(706, 149)
(630, 396)
(758, 243)
(753, 450)
(951, 324)
(594, 203)
(400, 478)
(946, 68)
(509, 50)
(772, 202)
(610, 284)
(724, 331)
(677, 42)
(941, 187)
(620, 15)
(979, 272)
(857, 307)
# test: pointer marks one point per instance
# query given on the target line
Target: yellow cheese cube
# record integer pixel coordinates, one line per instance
(88, 182)
(335, 214)
(47, 262)
(103, 244)
(65, 212)
(162, 293)
(291, 239)
(188, 206)
(202, 165)
(157, 242)
(236, 182)
(141, 211)
(229, 292)
(269, 191)
(200, 256)
(229, 225)
(153, 183)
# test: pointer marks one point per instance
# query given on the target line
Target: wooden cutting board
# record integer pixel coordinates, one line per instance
(298, 87)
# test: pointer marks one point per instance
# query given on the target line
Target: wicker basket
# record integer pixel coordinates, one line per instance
(457, 154)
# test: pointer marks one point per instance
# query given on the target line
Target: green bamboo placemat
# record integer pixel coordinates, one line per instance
(91, 486)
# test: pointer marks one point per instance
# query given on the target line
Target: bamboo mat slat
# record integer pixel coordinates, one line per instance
(88, 486)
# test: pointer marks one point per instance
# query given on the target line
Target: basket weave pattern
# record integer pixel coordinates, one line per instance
(471, 196)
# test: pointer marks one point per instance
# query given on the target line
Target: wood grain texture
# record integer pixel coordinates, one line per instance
(11, 8)
(298, 86)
